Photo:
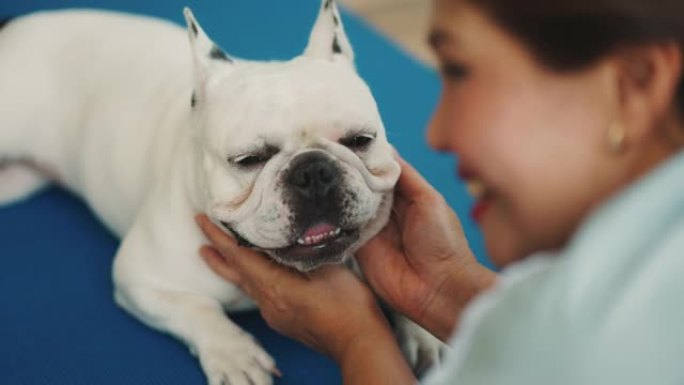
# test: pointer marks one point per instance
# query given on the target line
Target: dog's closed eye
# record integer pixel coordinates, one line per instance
(248, 161)
(253, 160)
(358, 142)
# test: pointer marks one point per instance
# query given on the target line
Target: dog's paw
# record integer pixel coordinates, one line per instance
(421, 349)
(238, 360)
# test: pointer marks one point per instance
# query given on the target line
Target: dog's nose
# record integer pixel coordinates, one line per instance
(313, 175)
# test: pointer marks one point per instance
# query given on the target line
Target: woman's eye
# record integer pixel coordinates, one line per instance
(358, 142)
(454, 71)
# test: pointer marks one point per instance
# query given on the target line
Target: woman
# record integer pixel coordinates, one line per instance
(567, 121)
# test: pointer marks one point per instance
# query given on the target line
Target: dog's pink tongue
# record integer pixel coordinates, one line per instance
(319, 229)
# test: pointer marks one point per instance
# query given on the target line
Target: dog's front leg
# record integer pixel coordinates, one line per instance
(227, 354)
(160, 280)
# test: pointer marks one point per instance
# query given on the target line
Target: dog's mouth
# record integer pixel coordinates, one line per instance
(322, 242)
(317, 245)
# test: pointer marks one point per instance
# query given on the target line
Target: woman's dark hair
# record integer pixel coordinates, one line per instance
(572, 34)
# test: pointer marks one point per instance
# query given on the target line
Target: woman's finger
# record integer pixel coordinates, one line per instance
(386, 241)
(411, 184)
(411, 188)
(215, 235)
(244, 261)
(218, 263)
(372, 257)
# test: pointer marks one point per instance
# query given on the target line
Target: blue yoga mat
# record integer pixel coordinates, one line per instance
(58, 322)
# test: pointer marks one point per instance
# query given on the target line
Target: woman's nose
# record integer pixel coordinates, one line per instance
(436, 131)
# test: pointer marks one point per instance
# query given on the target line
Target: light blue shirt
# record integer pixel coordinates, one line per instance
(609, 309)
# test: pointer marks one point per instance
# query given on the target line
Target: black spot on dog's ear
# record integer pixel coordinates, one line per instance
(193, 100)
(218, 54)
(336, 20)
(327, 4)
(336, 46)
(193, 26)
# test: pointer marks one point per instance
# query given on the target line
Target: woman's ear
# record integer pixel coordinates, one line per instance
(647, 80)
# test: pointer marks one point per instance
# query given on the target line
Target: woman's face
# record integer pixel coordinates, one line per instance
(531, 142)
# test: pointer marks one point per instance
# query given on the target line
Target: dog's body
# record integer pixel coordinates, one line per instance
(108, 105)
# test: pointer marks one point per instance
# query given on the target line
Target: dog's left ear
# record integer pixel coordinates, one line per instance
(206, 56)
(328, 39)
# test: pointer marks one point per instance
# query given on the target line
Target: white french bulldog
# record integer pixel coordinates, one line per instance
(289, 157)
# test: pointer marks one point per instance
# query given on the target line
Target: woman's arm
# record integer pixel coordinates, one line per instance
(375, 359)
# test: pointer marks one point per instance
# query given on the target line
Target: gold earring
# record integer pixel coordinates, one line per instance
(616, 137)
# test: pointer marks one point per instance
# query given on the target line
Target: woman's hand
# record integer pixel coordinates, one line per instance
(324, 309)
(420, 264)
(329, 309)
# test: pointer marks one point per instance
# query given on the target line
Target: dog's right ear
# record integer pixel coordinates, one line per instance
(206, 56)
(328, 40)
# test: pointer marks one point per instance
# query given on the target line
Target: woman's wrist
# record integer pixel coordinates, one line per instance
(462, 283)
(373, 357)
(366, 325)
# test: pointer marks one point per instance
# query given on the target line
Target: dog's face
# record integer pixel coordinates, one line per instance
(294, 157)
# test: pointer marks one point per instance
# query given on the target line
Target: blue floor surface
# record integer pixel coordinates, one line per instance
(58, 322)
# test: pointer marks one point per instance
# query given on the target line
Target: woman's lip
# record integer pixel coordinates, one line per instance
(482, 194)
(479, 208)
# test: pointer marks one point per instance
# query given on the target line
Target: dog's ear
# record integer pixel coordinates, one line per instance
(206, 56)
(328, 39)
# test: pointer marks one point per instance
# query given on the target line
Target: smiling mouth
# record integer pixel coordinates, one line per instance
(483, 196)
(319, 243)
(319, 234)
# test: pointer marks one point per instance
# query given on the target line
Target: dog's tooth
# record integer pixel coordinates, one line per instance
(319, 238)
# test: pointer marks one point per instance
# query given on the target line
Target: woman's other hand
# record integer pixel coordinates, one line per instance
(421, 264)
